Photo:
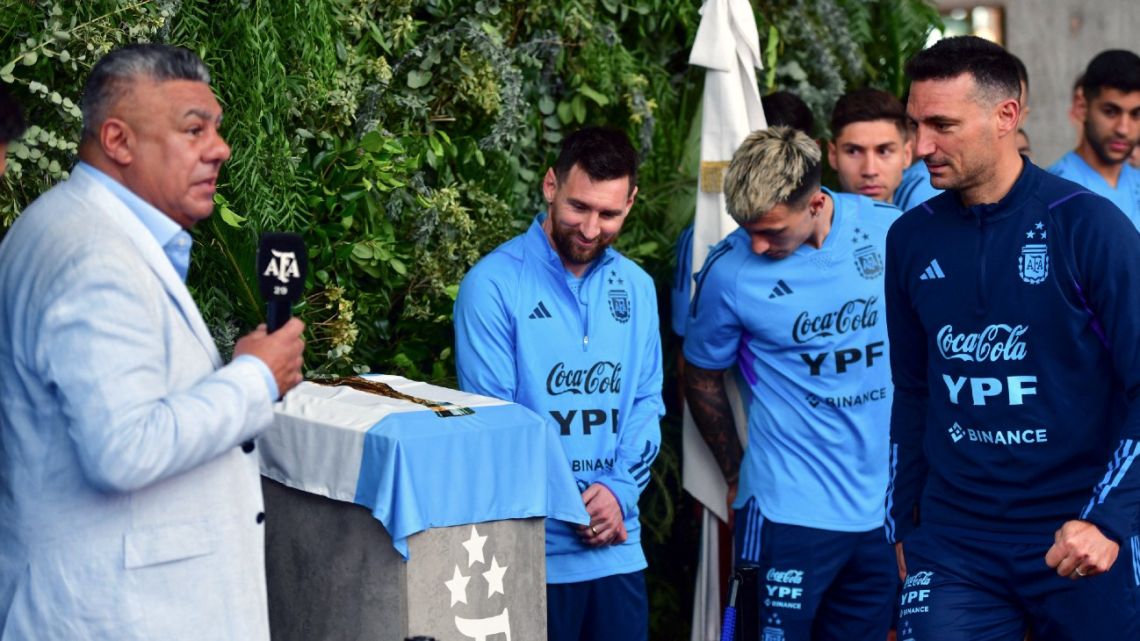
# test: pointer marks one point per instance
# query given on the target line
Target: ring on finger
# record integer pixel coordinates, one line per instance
(594, 530)
(1078, 572)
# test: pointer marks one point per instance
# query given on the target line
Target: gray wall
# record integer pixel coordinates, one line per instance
(1056, 39)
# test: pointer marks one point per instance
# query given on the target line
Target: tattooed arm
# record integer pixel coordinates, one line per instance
(708, 402)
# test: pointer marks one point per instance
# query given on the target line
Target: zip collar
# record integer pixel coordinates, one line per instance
(1010, 204)
(538, 243)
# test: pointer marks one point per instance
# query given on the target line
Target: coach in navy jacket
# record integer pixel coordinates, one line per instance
(1012, 303)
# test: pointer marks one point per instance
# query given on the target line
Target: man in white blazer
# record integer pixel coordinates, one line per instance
(130, 504)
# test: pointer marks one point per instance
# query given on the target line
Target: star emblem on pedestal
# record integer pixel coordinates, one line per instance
(487, 624)
(458, 587)
(474, 547)
(494, 577)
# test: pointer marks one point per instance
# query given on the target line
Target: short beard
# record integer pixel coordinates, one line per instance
(564, 243)
(1099, 149)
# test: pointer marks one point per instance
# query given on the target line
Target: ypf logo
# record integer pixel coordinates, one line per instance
(282, 266)
(487, 627)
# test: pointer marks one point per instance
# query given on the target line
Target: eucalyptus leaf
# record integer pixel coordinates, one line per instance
(579, 107)
(230, 217)
(565, 112)
(418, 79)
(598, 98)
(362, 251)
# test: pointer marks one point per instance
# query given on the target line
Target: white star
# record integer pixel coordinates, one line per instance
(458, 587)
(494, 578)
(1042, 235)
(474, 547)
(1039, 226)
(1029, 234)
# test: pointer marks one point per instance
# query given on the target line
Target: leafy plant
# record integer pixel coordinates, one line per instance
(404, 139)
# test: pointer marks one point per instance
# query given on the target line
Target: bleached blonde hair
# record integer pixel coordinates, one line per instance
(773, 166)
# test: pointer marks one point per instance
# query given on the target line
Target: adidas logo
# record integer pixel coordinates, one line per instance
(933, 271)
(540, 311)
(781, 289)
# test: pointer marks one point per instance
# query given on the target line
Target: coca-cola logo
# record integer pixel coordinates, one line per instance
(600, 378)
(918, 579)
(997, 342)
(793, 577)
(852, 316)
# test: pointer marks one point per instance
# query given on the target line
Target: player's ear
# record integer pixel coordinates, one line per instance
(549, 185)
(629, 201)
(1008, 115)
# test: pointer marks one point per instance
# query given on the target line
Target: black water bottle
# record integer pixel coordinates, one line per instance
(748, 603)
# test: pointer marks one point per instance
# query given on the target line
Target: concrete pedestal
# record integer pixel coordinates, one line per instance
(333, 575)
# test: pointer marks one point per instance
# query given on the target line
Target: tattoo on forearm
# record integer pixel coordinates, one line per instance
(708, 401)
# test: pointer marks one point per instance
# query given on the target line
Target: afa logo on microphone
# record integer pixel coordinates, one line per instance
(283, 266)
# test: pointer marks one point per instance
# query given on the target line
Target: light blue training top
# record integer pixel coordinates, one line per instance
(812, 329)
(1126, 195)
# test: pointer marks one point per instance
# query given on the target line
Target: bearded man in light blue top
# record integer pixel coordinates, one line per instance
(795, 297)
(558, 321)
(130, 498)
(1109, 111)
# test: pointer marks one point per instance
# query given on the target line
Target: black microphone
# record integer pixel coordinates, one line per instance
(282, 264)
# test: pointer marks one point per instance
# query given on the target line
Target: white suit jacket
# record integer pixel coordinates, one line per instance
(128, 508)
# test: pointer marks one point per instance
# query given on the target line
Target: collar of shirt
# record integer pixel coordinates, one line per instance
(540, 242)
(175, 241)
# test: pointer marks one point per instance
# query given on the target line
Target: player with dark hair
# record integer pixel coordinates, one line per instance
(558, 321)
(1015, 357)
(786, 109)
(1108, 111)
(869, 149)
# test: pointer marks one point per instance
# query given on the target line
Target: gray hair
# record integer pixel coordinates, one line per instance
(773, 166)
(112, 76)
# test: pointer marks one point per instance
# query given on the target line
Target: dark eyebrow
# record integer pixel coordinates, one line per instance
(941, 120)
(768, 231)
(582, 205)
(204, 115)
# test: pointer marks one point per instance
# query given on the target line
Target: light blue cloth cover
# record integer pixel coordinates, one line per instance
(420, 471)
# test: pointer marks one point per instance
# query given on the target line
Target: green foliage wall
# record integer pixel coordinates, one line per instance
(406, 138)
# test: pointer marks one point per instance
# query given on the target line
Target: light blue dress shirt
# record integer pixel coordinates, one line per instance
(175, 242)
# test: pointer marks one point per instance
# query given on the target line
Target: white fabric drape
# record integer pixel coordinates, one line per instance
(727, 45)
